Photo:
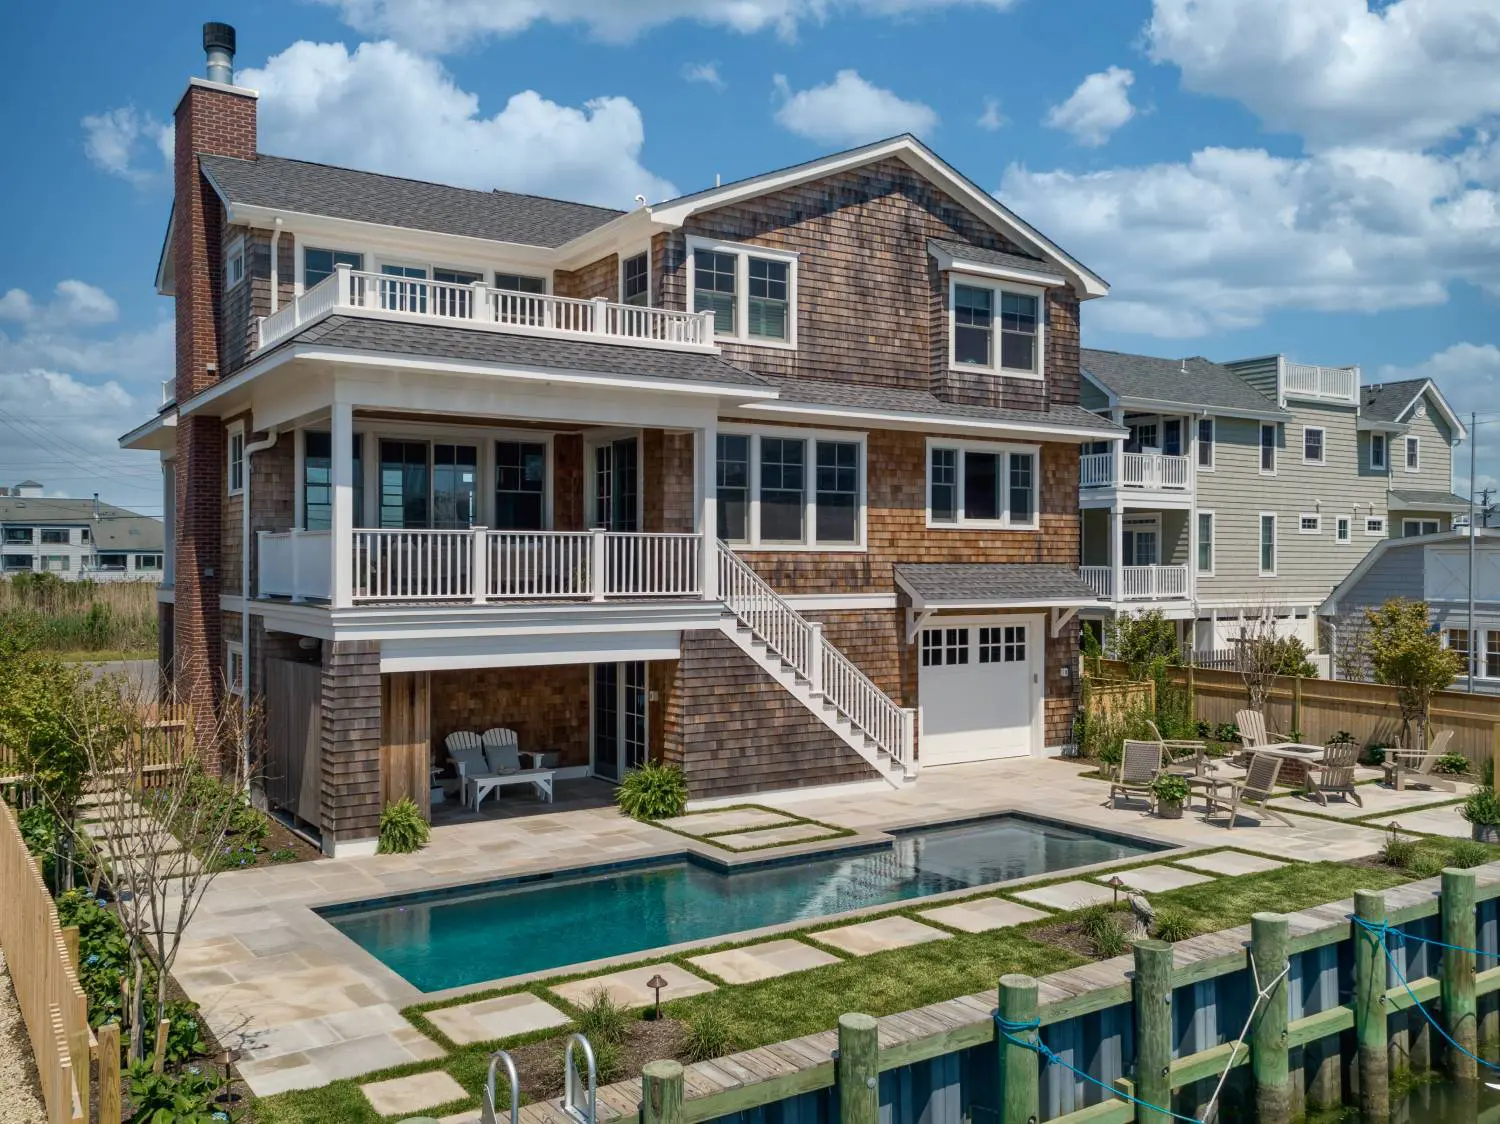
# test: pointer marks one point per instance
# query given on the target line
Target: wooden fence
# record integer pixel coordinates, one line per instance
(45, 979)
(166, 740)
(1114, 697)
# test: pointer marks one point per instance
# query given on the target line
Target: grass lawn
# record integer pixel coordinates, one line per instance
(105, 656)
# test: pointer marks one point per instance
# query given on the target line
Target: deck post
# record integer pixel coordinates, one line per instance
(1460, 1009)
(858, 1070)
(109, 1073)
(1152, 991)
(1268, 1044)
(1020, 1101)
(1371, 1029)
(662, 1093)
(598, 564)
(479, 559)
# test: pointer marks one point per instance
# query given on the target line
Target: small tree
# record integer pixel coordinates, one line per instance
(1405, 652)
(1261, 654)
(1145, 642)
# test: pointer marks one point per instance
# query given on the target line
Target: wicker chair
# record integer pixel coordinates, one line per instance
(1335, 773)
(1140, 764)
(1258, 787)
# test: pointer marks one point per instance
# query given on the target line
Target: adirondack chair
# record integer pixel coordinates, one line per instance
(1139, 766)
(1253, 736)
(1254, 791)
(1176, 751)
(1335, 773)
(1404, 767)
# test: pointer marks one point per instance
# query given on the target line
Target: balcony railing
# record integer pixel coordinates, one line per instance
(1138, 583)
(479, 565)
(1149, 471)
(1327, 384)
(480, 306)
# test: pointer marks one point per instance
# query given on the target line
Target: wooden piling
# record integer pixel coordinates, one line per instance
(1268, 1044)
(1460, 1008)
(1370, 1014)
(109, 1073)
(858, 1070)
(1152, 993)
(1020, 1067)
(662, 1093)
(159, 1055)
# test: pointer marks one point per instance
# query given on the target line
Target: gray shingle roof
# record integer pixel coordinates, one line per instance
(966, 252)
(132, 533)
(116, 528)
(1204, 385)
(1386, 401)
(343, 193)
(1404, 500)
(818, 393)
(438, 340)
(998, 583)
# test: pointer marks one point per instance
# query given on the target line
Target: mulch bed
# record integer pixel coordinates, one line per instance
(1070, 936)
(540, 1065)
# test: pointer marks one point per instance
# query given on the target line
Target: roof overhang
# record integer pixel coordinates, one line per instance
(1430, 387)
(943, 423)
(1375, 425)
(1162, 406)
(1457, 505)
(922, 604)
(920, 158)
(953, 262)
(158, 434)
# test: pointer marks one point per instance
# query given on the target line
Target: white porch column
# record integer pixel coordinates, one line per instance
(1117, 451)
(341, 437)
(706, 441)
(1116, 551)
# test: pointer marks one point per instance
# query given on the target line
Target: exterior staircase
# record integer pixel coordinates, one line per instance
(793, 651)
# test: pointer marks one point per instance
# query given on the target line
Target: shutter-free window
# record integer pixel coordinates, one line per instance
(973, 316)
(943, 487)
(1018, 316)
(1268, 448)
(766, 312)
(520, 485)
(635, 280)
(783, 489)
(521, 283)
(734, 487)
(1312, 445)
(1377, 450)
(1492, 655)
(1268, 544)
(981, 485)
(317, 265)
(713, 288)
(1205, 542)
(236, 462)
(837, 492)
(1022, 487)
(1205, 442)
(317, 481)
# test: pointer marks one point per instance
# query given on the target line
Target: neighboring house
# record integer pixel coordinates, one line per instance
(76, 538)
(1252, 486)
(774, 481)
(1431, 568)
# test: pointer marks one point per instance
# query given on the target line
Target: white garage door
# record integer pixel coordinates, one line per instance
(979, 687)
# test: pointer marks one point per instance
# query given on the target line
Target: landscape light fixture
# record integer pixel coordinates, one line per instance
(656, 983)
(1115, 883)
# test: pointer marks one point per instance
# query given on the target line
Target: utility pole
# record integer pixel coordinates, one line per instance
(1473, 459)
(1486, 508)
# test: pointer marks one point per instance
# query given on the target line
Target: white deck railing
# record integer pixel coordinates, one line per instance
(651, 565)
(1330, 384)
(481, 306)
(1096, 470)
(1151, 471)
(296, 564)
(801, 645)
(1137, 583)
(1099, 579)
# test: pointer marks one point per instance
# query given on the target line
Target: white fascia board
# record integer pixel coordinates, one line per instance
(1459, 430)
(1367, 425)
(626, 231)
(158, 433)
(493, 622)
(887, 419)
(947, 261)
(919, 157)
(1161, 405)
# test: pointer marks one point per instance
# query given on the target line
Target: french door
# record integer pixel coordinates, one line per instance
(616, 485)
(619, 718)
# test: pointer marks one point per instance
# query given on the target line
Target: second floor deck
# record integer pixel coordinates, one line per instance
(1147, 472)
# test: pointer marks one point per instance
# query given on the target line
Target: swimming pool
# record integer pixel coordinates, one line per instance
(451, 938)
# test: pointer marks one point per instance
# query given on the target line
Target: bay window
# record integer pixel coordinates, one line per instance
(752, 291)
(979, 312)
(983, 485)
(780, 488)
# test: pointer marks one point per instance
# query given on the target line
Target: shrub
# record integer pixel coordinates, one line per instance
(604, 1020)
(1374, 754)
(1170, 788)
(103, 953)
(1451, 763)
(186, 1097)
(609, 1065)
(185, 1039)
(1482, 807)
(653, 792)
(1398, 850)
(1466, 853)
(1173, 925)
(402, 828)
(1098, 926)
(707, 1035)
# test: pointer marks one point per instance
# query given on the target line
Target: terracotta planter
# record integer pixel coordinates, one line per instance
(1169, 809)
(1485, 832)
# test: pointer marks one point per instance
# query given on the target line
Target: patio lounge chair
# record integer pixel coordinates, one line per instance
(1254, 791)
(1139, 765)
(1335, 773)
(1404, 767)
(1177, 750)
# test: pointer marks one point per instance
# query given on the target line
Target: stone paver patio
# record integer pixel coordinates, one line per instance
(1434, 821)
(501, 1017)
(730, 819)
(982, 915)
(1377, 799)
(628, 987)
(880, 935)
(1231, 863)
(405, 1095)
(762, 961)
(1067, 895)
(1159, 879)
(774, 836)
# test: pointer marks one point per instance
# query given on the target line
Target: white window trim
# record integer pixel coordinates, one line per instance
(1380, 532)
(810, 437)
(1317, 519)
(744, 251)
(1003, 523)
(1411, 442)
(235, 430)
(1213, 445)
(234, 650)
(236, 250)
(1348, 523)
(1150, 523)
(1382, 464)
(1213, 543)
(976, 281)
(1322, 433)
(1260, 435)
(1261, 517)
(626, 255)
(1482, 671)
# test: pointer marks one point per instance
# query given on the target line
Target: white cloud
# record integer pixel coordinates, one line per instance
(386, 109)
(443, 25)
(127, 143)
(991, 119)
(1468, 374)
(1234, 234)
(1340, 71)
(849, 110)
(1099, 106)
(704, 72)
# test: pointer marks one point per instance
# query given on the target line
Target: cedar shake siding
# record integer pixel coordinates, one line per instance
(246, 303)
(597, 279)
(351, 741)
(547, 707)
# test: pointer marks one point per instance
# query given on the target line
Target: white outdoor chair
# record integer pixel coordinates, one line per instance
(502, 750)
(466, 752)
(502, 768)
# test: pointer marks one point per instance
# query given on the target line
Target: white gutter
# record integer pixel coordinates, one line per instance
(256, 447)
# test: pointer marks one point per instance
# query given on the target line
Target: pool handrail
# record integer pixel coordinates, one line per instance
(570, 1083)
(487, 1115)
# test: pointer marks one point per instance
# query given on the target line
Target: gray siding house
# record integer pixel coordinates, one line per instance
(76, 538)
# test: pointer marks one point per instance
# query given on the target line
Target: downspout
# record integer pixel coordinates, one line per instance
(256, 447)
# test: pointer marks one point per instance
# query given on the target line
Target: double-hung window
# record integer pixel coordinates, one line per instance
(1457, 640)
(1205, 542)
(1312, 445)
(635, 279)
(1206, 443)
(520, 485)
(54, 536)
(235, 475)
(1492, 655)
(234, 264)
(981, 485)
(790, 489)
(318, 265)
(1341, 529)
(1268, 544)
(1413, 454)
(1268, 449)
(1377, 452)
(234, 666)
(995, 328)
(751, 291)
(455, 302)
(403, 288)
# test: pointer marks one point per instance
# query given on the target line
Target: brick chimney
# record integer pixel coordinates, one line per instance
(214, 117)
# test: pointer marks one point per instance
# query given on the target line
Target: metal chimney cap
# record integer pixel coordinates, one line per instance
(219, 35)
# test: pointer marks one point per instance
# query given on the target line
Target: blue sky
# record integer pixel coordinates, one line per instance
(1311, 177)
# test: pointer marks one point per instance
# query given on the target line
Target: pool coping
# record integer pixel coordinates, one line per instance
(864, 840)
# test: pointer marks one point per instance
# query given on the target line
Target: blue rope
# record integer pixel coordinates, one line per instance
(1011, 1031)
(1403, 935)
(1383, 930)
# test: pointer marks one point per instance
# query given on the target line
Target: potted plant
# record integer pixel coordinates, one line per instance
(1482, 810)
(1171, 792)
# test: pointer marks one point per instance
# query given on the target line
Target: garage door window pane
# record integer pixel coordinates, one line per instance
(981, 486)
(945, 647)
(1015, 643)
(989, 645)
(956, 646)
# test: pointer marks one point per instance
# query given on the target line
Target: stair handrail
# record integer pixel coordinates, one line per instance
(774, 621)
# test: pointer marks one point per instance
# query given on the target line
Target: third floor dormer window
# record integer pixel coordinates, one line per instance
(751, 291)
(635, 279)
(995, 328)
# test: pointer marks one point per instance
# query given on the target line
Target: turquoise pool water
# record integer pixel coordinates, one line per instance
(455, 937)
